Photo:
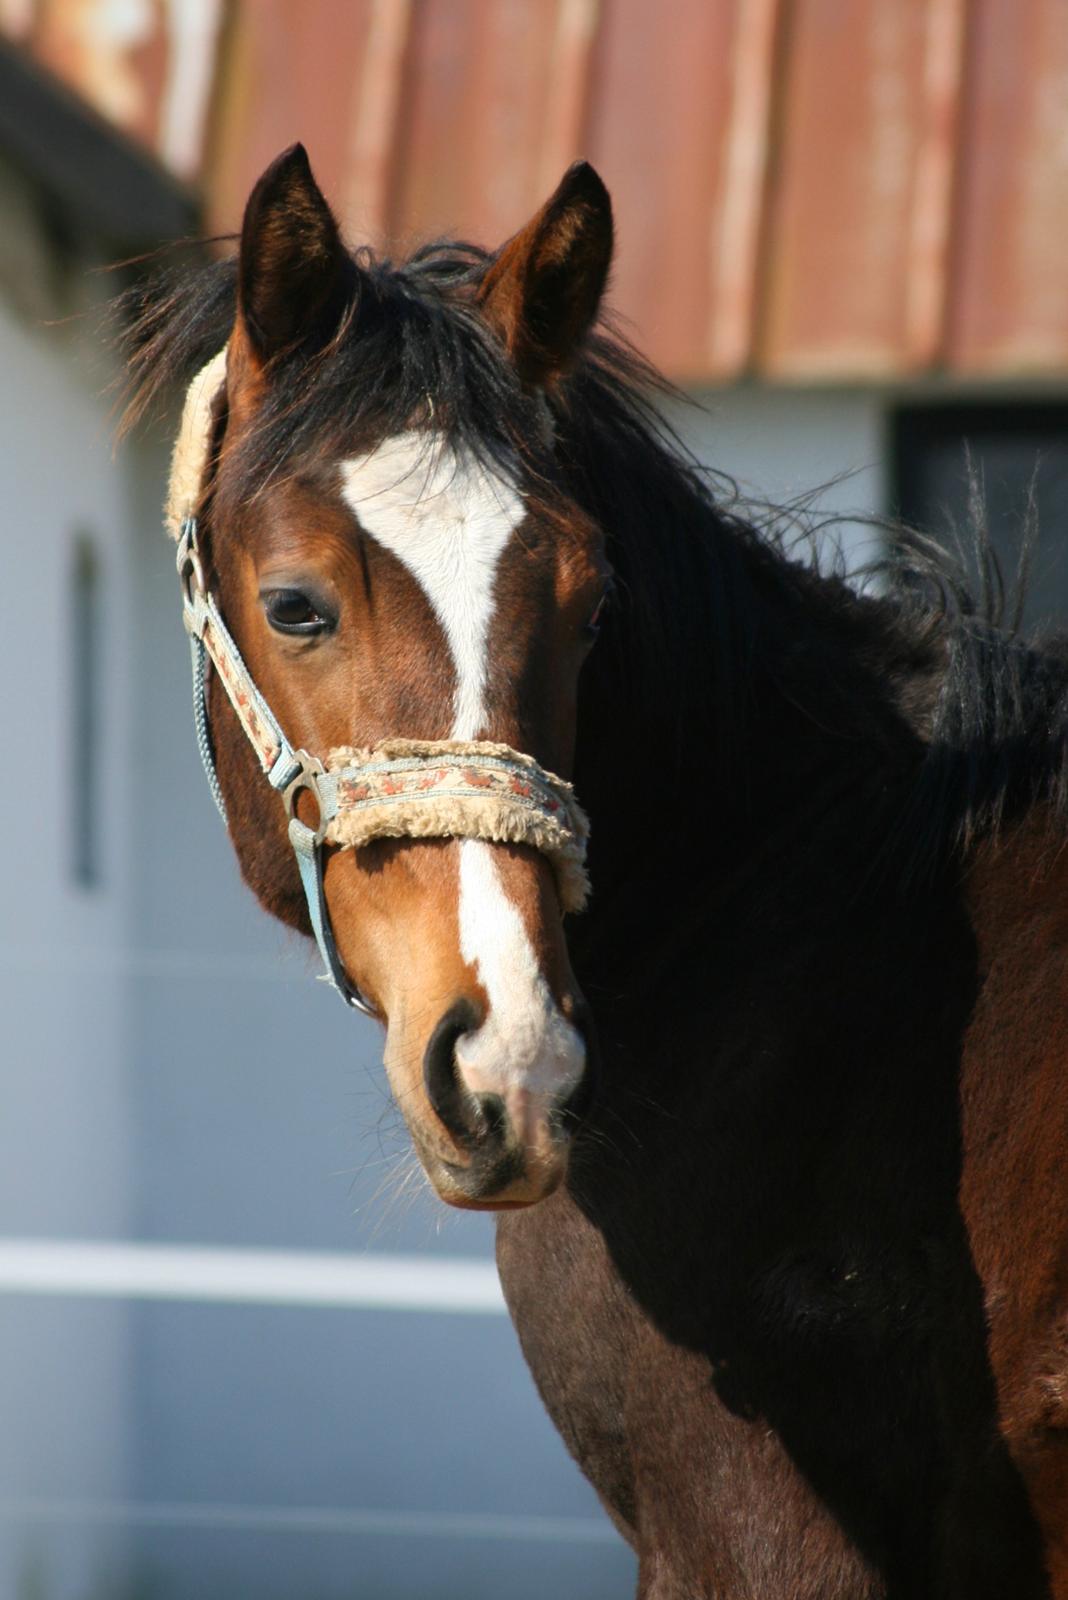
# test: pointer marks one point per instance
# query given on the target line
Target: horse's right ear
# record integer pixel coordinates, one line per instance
(294, 274)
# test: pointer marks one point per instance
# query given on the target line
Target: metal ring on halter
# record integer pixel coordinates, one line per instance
(307, 780)
(191, 576)
(190, 568)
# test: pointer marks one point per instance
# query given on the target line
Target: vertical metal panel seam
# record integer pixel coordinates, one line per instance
(929, 231)
(209, 133)
(372, 153)
(968, 152)
(736, 224)
(779, 60)
(566, 104)
(189, 82)
(212, 154)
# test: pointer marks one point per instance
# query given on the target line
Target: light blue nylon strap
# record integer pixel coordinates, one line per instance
(198, 608)
(308, 851)
(287, 767)
(326, 792)
(200, 722)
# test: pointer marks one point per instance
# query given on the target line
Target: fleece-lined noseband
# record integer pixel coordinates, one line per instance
(403, 788)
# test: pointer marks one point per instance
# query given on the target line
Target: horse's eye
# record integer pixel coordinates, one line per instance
(289, 611)
(593, 626)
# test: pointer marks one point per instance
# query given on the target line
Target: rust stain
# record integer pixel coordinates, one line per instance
(475, 118)
(291, 72)
(1009, 312)
(656, 131)
(927, 246)
(113, 55)
(850, 125)
(145, 65)
(568, 89)
(738, 213)
(369, 169)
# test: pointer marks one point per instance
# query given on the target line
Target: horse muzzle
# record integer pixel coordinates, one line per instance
(509, 1121)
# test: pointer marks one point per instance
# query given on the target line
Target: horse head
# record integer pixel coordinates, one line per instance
(386, 533)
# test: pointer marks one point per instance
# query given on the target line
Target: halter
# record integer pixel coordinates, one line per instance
(403, 788)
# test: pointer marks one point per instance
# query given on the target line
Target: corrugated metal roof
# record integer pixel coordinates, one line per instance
(805, 189)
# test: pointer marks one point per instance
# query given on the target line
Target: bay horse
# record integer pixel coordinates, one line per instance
(777, 1126)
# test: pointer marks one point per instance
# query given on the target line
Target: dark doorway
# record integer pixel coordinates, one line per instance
(1012, 447)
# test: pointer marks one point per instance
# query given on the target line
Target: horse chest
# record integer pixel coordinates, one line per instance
(742, 1465)
(577, 1329)
(706, 1495)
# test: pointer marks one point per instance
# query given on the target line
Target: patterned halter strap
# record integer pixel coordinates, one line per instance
(403, 788)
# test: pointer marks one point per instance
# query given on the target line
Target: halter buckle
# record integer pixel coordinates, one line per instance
(294, 772)
(190, 568)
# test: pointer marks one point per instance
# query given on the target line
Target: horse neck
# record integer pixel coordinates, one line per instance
(715, 757)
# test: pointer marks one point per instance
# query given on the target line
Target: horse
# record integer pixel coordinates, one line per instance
(776, 1126)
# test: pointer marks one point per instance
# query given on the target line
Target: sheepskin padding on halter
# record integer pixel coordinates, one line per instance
(439, 789)
(189, 459)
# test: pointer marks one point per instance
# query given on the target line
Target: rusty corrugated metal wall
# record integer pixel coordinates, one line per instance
(810, 190)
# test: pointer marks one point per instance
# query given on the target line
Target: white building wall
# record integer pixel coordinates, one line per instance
(64, 1093)
(782, 445)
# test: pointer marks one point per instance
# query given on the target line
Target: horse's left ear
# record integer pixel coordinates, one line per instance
(542, 291)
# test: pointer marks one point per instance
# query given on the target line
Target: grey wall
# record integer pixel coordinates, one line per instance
(65, 1109)
(827, 448)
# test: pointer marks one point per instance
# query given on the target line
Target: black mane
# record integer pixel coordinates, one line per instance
(716, 595)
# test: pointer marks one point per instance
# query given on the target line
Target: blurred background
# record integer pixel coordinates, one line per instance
(241, 1352)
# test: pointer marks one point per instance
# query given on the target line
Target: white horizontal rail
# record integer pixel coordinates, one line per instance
(296, 963)
(311, 1519)
(120, 1271)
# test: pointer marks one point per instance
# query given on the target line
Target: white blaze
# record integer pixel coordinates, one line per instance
(525, 1042)
(449, 520)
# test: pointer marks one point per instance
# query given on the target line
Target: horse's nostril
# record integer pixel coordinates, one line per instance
(449, 1100)
(493, 1116)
